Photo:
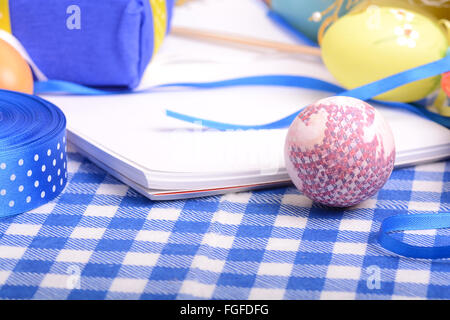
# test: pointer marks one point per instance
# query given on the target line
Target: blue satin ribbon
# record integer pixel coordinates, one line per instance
(414, 222)
(365, 92)
(33, 167)
(294, 82)
(58, 86)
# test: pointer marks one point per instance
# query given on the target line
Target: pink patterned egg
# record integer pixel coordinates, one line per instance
(339, 151)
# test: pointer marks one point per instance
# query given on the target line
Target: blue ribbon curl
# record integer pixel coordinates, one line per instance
(414, 222)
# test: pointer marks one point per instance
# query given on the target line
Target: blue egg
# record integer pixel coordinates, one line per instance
(298, 12)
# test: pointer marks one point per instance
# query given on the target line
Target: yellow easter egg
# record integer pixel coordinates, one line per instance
(432, 12)
(441, 13)
(439, 8)
(368, 45)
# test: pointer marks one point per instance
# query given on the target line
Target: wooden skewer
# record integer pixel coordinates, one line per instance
(238, 39)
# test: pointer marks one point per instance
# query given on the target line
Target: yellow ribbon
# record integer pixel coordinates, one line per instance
(159, 10)
(5, 21)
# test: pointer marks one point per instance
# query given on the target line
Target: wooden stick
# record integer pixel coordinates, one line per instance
(238, 39)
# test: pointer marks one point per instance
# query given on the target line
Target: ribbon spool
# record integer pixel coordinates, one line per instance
(33, 165)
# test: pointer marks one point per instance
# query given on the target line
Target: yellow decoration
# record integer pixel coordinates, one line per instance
(439, 8)
(365, 46)
(335, 8)
(5, 22)
(159, 10)
(411, 5)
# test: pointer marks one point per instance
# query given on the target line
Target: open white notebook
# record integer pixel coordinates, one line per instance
(131, 137)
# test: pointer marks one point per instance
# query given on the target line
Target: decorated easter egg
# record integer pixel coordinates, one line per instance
(439, 8)
(299, 12)
(339, 151)
(440, 12)
(418, 6)
(446, 83)
(15, 73)
(365, 46)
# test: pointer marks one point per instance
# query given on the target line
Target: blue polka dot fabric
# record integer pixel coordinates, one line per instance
(36, 176)
(101, 240)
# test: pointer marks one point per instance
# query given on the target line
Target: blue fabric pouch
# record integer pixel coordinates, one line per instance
(101, 43)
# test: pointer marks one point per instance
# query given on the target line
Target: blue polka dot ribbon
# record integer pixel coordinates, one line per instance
(33, 166)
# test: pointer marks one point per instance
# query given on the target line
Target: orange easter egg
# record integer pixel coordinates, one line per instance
(15, 73)
(446, 83)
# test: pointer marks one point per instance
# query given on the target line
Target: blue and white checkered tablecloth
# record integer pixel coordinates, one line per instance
(102, 240)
